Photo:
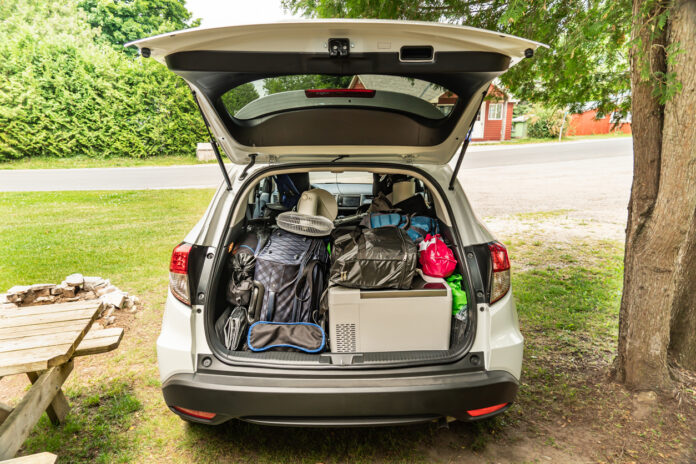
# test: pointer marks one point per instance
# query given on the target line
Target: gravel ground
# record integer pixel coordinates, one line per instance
(593, 193)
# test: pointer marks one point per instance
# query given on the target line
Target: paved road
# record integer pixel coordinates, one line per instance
(208, 176)
(540, 153)
(596, 189)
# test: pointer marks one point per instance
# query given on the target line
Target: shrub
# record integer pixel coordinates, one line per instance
(62, 94)
(546, 122)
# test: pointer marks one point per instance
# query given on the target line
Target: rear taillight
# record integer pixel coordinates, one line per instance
(488, 410)
(178, 273)
(196, 414)
(339, 93)
(501, 271)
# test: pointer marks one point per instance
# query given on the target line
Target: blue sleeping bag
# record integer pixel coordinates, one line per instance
(417, 227)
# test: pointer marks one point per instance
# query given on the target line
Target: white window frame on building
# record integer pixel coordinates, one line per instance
(491, 107)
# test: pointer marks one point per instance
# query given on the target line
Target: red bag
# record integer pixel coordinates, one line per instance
(436, 259)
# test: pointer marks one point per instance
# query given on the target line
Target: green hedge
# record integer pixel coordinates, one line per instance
(62, 94)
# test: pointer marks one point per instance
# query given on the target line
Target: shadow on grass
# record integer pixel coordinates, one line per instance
(238, 441)
(565, 297)
(94, 429)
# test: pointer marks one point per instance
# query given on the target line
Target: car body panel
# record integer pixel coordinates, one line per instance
(175, 344)
(214, 60)
(310, 36)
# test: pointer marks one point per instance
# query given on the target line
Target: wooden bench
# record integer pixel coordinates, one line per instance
(99, 341)
(40, 458)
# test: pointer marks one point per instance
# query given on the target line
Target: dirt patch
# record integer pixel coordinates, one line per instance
(561, 226)
(569, 401)
(120, 311)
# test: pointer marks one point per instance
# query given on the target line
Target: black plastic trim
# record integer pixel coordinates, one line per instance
(471, 362)
(322, 399)
(485, 265)
(328, 422)
(215, 72)
(221, 353)
(276, 63)
(196, 262)
(375, 126)
(204, 263)
(416, 53)
(479, 286)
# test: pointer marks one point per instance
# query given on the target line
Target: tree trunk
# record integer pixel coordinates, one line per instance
(661, 229)
(679, 136)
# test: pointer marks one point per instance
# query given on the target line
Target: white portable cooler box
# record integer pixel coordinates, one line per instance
(391, 320)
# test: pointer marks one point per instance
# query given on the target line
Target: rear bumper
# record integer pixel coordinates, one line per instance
(337, 401)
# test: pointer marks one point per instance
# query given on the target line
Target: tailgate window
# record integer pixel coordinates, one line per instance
(273, 95)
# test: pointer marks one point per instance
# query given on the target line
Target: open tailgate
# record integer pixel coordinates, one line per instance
(390, 75)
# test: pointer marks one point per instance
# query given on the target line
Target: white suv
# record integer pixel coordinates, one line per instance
(346, 102)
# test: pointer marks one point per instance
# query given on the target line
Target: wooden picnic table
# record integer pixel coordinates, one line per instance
(41, 342)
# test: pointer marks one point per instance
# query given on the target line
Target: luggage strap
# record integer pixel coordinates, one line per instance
(306, 278)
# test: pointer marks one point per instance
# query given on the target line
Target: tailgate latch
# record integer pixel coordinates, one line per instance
(342, 359)
(339, 47)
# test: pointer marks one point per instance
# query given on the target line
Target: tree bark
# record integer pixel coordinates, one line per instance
(660, 234)
(679, 136)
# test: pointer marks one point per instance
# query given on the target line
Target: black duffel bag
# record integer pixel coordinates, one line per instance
(286, 336)
(374, 259)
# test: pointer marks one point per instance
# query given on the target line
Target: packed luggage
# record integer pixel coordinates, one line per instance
(292, 270)
(418, 318)
(435, 257)
(301, 280)
(374, 259)
(299, 336)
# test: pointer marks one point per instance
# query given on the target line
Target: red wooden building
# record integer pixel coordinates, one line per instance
(494, 122)
(585, 124)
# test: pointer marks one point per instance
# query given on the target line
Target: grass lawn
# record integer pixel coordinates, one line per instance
(569, 138)
(89, 162)
(567, 410)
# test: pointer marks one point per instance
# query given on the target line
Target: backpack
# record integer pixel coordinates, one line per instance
(288, 193)
(292, 269)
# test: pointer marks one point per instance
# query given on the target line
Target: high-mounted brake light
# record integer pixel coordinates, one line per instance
(488, 410)
(339, 93)
(196, 414)
(501, 271)
(178, 273)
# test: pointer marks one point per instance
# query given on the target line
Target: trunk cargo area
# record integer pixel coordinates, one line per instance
(364, 318)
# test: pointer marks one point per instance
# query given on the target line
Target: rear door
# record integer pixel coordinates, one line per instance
(322, 90)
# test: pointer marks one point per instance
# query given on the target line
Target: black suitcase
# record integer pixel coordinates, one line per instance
(292, 269)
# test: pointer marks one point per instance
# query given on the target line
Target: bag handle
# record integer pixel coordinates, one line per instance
(255, 302)
(319, 315)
